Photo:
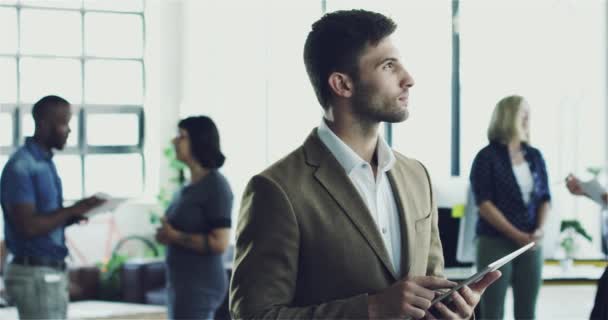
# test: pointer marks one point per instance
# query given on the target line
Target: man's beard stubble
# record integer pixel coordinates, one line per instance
(373, 108)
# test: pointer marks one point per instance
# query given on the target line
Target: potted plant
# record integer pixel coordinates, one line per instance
(570, 231)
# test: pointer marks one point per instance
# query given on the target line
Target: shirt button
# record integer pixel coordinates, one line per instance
(384, 230)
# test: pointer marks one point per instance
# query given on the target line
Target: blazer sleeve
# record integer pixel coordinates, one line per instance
(266, 261)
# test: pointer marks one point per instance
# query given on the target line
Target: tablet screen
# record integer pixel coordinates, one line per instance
(491, 267)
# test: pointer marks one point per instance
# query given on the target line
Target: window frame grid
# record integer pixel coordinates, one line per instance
(20, 109)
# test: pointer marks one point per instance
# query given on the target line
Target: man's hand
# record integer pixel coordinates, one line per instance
(410, 297)
(84, 205)
(166, 234)
(574, 185)
(464, 301)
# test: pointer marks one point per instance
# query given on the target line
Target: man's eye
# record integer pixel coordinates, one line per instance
(389, 65)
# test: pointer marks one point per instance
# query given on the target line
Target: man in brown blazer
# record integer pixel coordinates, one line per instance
(344, 227)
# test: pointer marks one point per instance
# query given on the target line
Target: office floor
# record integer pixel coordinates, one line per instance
(570, 302)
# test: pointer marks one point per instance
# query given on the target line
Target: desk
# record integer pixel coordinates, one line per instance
(103, 310)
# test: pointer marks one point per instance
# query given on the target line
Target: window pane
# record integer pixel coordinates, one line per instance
(69, 168)
(74, 4)
(115, 5)
(126, 30)
(6, 129)
(27, 129)
(113, 82)
(41, 77)
(118, 175)
(51, 32)
(125, 129)
(8, 30)
(8, 79)
(27, 126)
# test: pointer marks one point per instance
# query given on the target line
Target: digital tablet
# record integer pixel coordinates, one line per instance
(491, 267)
(110, 204)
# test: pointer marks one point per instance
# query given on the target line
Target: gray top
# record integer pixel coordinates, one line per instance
(199, 208)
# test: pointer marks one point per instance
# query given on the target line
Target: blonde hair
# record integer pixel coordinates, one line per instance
(503, 126)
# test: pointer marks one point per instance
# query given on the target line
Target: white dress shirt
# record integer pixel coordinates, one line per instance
(376, 192)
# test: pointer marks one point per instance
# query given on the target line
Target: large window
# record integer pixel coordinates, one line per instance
(91, 53)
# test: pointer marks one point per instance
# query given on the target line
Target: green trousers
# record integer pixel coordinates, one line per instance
(524, 274)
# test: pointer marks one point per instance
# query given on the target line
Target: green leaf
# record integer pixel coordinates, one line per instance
(576, 226)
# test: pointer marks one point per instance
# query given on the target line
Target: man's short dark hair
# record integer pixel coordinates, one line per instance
(44, 105)
(204, 141)
(336, 42)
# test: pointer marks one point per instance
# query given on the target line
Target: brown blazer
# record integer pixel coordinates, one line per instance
(308, 247)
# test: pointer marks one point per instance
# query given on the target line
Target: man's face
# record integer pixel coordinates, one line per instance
(58, 121)
(382, 88)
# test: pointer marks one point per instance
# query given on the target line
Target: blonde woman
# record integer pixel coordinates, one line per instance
(509, 181)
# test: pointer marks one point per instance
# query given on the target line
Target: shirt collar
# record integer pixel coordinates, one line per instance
(36, 150)
(347, 157)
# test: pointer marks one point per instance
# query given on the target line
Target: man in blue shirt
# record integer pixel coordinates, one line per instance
(600, 308)
(35, 219)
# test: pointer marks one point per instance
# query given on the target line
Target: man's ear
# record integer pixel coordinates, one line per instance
(341, 84)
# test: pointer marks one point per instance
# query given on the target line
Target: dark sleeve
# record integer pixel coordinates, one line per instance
(218, 209)
(481, 177)
(545, 192)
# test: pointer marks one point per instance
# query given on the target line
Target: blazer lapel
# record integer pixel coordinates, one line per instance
(406, 205)
(333, 178)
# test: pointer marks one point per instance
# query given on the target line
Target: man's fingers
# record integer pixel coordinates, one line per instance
(461, 306)
(414, 312)
(421, 302)
(434, 283)
(430, 315)
(486, 281)
(445, 311)
(468, 295)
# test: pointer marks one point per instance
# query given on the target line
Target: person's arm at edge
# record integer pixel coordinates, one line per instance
(31, 224)
(266, 261)
(214, 242)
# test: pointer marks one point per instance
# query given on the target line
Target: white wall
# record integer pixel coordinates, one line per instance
(244, 69)
(93, 242)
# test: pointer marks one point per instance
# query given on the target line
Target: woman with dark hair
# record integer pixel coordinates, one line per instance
(196, 226)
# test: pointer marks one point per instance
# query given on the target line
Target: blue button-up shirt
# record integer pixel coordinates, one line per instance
(492, 179)
(30, 177)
